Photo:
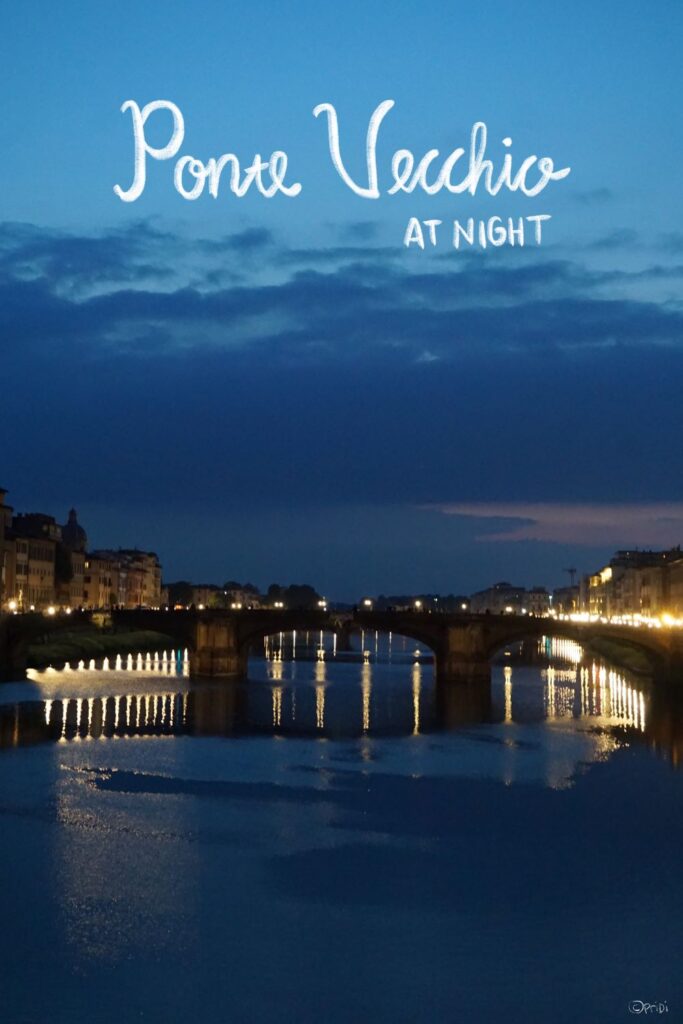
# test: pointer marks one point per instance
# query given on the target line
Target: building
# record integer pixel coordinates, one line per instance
(127, 578)
(36, 538)
(537, 601)
(43, 564)
(500, 599)
(208, 595)
(71, 592)
(243, 595)
(675, 587)
(141, 572)
(566, 600)
(100, 580)
(648, 583)
(504, 599)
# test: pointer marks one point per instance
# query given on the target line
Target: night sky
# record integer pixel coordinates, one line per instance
(277, 389)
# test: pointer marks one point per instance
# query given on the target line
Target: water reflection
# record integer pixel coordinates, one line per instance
(417, 683)
(306, 687)
(366, 690)
(372, 646)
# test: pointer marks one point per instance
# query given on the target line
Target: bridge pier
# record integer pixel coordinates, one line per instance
(462, 655)
(13, 651)
(343, 633)
(217, 651)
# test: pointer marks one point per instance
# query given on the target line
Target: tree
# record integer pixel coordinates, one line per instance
(180, 593)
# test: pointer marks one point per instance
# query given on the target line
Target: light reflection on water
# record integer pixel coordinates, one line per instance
(364, 841)
(304, 686)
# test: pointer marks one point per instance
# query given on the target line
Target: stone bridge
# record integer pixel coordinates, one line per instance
(463, 644)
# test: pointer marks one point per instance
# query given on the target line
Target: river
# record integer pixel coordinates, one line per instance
(339, 839)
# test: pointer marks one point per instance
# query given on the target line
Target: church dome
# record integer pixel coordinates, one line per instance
(73, 534)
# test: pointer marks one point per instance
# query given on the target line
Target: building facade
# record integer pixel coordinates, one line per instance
(126, 578)
(101, 581)
(566, 600)
(500, 599)
(44, 565)
(647, 583)
(36, 538)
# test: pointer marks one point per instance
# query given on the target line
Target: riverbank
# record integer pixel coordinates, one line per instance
(623, 655)
(84, 645)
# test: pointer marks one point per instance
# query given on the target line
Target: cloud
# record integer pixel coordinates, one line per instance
(145, 291)
(585, 525)
(66, 261)
(339, 254)
(249, 240)
(621, 238)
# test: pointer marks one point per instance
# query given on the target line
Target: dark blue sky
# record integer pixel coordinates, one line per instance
(277, 389)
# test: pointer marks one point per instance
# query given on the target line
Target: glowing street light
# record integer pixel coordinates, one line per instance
(367, 603)
(12, 606)
(418, 605)
(51, 610)
(322, 603)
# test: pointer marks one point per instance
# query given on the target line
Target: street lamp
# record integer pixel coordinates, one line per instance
(367, 603)
(418, 605)
(322, 603)
(12, 606)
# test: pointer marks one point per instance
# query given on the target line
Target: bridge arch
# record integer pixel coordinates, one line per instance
(309, 638)
(412, 636)
(643, 640)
